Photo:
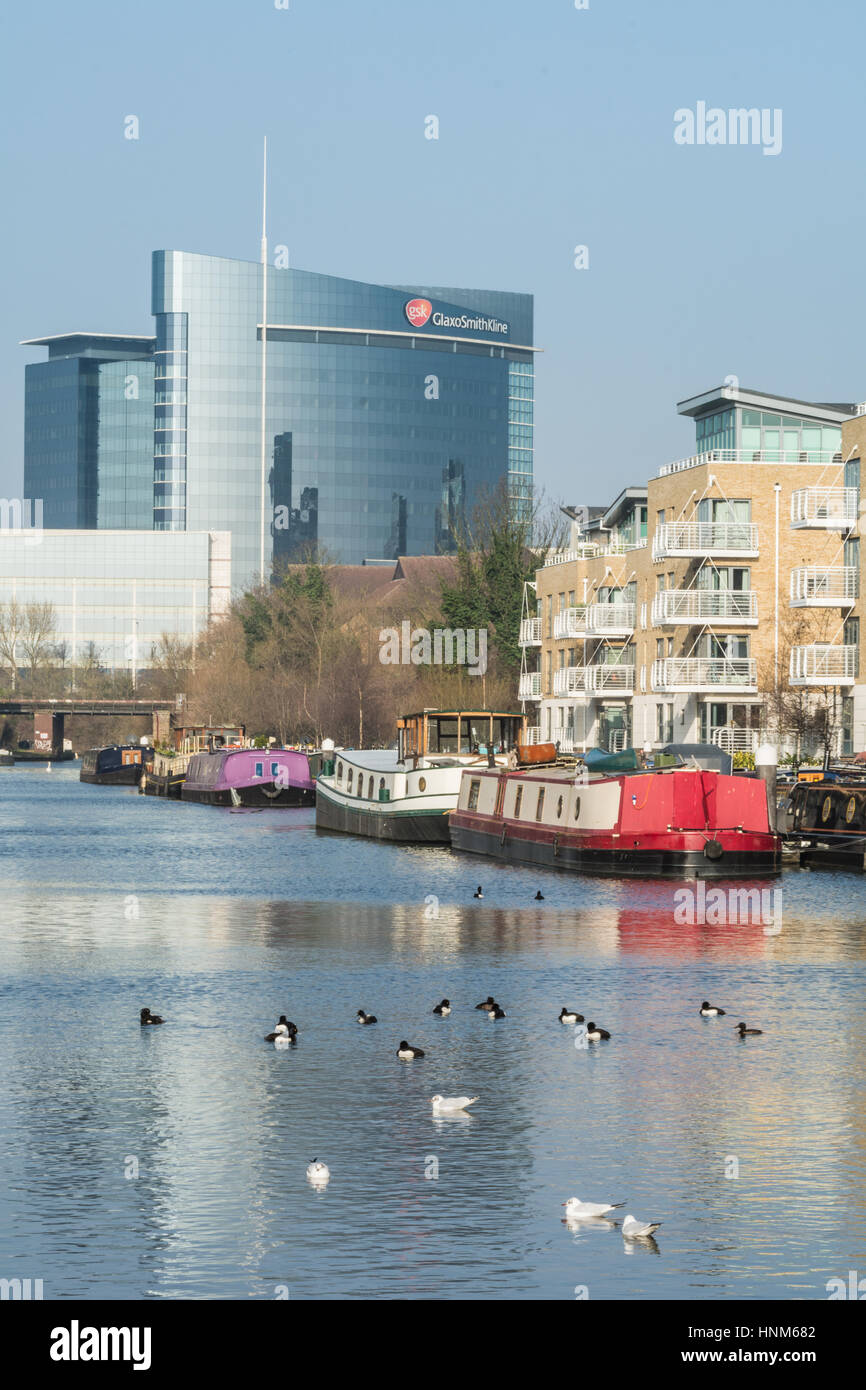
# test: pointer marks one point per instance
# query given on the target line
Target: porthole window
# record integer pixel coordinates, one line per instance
(577, 809)
(850, 809)
(422, 784)
(559, 809)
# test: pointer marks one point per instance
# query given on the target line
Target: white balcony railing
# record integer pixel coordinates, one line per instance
(682, 607)
(700, 538)
(564, 737)
(532, 734)
(584, 550)
(529, 687)
(571, 622)
(714, 674)
(736, 740)
(825, 508)
(530, 632)
(833, 586)
(821, 663)
(569, 680)
(611, 619)
(611, 679)
(823, 456)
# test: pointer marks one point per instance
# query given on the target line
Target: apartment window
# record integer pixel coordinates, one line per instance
(660, 583)
(670, 646)
(550, 615)
(660, 517)
(571, 598)
(852, 632)
(562, 602)
(665, 723)
(660, 648)
(561, 655)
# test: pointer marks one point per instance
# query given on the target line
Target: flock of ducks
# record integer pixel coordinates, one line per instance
(318, 1174)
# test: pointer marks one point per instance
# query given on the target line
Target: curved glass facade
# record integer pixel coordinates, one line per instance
(388, 409)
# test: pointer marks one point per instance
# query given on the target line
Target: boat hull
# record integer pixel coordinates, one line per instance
(128, 776)
(263, 795)
(680, 856)
(377, 822)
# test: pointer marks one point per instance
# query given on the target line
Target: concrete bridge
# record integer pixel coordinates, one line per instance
(49, 716)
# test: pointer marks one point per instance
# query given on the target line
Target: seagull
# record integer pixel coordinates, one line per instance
(633, 1229)
(575, 1209)
(478, 893)
(147, 1017)
(366, 1018)
(710, 1011)
(443, 1009)
(407, 1053)
(595, 1034)
(749, 1032)
(569, 1016)
(489, 1003)
(446, 1103)
(318, 1173)
(539, 897)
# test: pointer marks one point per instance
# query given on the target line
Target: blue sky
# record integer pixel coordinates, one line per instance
(556, 129)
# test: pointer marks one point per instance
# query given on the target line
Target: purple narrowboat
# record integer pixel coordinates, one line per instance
(250, 777)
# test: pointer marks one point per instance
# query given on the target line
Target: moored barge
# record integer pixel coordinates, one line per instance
(119, 765)
(276, 777)
(680, 820)
(826, 820)
(405, 794)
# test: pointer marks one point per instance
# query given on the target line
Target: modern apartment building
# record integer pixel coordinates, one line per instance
(706, 604)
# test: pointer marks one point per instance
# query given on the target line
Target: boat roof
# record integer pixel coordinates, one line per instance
(465, 713)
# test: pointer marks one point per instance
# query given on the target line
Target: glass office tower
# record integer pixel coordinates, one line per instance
(88, 430)
(389, 409)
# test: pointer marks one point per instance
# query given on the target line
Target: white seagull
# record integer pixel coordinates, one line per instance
(633, 1229)
(575, 1209)
(318, 1173)
(441, 1103)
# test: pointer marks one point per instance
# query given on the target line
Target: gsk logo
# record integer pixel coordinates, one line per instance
(418, 312)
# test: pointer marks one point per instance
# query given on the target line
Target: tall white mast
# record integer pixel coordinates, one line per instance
(264, 440)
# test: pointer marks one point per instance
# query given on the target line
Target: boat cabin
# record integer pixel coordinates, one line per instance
(457, 732)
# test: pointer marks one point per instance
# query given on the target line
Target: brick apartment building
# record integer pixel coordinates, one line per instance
(706, 604)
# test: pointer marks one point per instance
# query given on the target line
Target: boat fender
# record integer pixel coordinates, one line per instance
(713, 850)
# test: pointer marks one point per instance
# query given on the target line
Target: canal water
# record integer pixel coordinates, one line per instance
(170, 1162)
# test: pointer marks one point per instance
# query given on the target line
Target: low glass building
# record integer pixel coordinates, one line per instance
(114, 594)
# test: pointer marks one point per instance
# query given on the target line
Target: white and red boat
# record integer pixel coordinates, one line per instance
(678, 820)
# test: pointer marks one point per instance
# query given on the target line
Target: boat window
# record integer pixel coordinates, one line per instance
(539, 805)
(370, 787)
(349, 780)
(381, 784)
(500, 796)
(474, 789)
(339, 772)
(559, 809)
(577, 808)
(275, 769)
(422, 784)
(517, 801)
(260, 770)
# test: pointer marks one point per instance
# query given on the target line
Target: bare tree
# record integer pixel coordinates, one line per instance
(12, 623)
(39, 630)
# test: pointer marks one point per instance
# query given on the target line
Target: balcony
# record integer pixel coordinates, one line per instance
(569, 680)
(529, 687)
(563, 737)
(823, 456)
(836, 586)
(684, 607)
(715, 675)
(699, 539)
(530, 632)
(820, 663)
(532, 734)
(825, 508)
(584, 550)
(736, 740)
(610, 619)
(571, 622)
(610, 680)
